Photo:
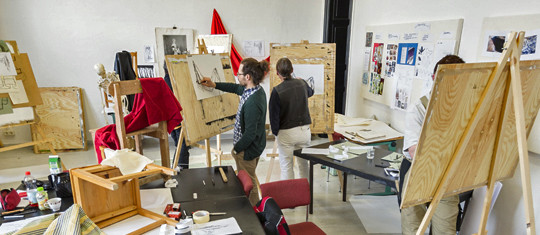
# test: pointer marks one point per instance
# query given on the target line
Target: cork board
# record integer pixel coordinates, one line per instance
(207, 117)
(62, 118)
(321, 106)
(457, 90)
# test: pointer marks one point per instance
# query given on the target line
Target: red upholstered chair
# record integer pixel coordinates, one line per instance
(290, 194)
(246, 181)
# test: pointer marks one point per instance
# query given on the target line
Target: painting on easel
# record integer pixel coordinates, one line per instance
(205, 65)
(7, 68)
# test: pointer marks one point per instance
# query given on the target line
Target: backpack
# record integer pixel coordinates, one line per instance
(9, 199)
(271, 217)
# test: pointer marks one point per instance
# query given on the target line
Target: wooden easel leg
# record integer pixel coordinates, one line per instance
(138, 144)
(272, 156)
(522, 135)
(208, 153)
(178, 148)
(218, 142)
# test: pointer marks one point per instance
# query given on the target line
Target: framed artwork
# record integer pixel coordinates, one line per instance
(171, 41)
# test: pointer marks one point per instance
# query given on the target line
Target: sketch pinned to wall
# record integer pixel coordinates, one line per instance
(7, 67)
(369, 39)
(442, 49)
(146, 71)
(313, 74)
(217, 43)
(531, 47)
(407, 53)
(376, 84)
(148, 54)
(424, 60)
(494, 43)
(367, 55)
(391, 58)
(365, 78)
(172, 41)
(403, 86)
(205, 65)
(254, 48)
(377, 58)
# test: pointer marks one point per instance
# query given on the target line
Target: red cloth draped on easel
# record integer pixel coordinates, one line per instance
(218, 28)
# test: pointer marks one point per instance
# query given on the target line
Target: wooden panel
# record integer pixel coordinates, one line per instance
(62, 118)
(321, 107)
(457, 91)
(202, 118)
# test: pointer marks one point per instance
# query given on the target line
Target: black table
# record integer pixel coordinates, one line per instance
(360, 166)
(238, 207)
(191, 181)
(66, 203)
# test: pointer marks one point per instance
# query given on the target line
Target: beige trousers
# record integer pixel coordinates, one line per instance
(249, 167)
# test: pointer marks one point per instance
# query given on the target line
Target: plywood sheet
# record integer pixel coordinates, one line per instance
(321, 107)
(202, 118)
(62, 118)
(457, 91)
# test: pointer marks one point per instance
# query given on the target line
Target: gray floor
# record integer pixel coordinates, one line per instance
(330, 213)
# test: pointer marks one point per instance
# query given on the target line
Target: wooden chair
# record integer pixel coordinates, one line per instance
(158, 130)
(290, 194)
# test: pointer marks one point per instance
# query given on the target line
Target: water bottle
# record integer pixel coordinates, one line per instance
(42, 198)
(31, 187)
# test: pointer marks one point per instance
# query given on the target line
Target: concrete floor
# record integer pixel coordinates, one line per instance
(330, 213)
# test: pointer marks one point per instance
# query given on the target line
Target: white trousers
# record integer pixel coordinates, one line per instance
(288, 141)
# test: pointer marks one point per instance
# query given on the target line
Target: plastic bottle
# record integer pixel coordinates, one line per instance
(42, 198)
(31, 187)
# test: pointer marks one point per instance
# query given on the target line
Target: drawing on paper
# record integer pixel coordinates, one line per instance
(407, 53)
(148, 54)
(403, 86)
(205, 65)
(391, 56)
(146, 71)
(313, 74)
(529, 45)
(5, 106)
(254, 48)
(377, 57)
(172, 41)
(424, 61)
(9, 82)
(7, 68)
(174, 44)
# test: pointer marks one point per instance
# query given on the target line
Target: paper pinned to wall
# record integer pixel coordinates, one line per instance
(442, 49)
(205, 65)
(404, 81)
(313, 74)
(493, 43)
(148, 54)
(254, 48)
(7, 67)
(531, 47)
(424, 61)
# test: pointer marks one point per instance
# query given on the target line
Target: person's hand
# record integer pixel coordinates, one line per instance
(412, 150)
(207, 82)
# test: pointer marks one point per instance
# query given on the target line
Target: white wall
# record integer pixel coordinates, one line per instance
(64, 39)
(508, 215)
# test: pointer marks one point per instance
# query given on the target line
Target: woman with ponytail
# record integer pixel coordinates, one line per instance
(249, 133)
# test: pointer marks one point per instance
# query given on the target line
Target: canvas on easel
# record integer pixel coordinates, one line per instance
(476, 124)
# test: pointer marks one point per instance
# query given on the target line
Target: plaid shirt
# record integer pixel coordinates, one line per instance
(237, 129)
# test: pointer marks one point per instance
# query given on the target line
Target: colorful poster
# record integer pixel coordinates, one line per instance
(377, 58)
(391, 58)
(369, 39)
(407, 53)
(531, 47)
(376, 84)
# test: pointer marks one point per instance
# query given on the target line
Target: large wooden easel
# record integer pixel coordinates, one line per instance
(476, 125)
(205, 118)
(25, 73)
(321, 107)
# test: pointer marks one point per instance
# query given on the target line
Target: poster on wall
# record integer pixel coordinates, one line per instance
(424, 60)
(376, 84)
(369, 39)
(404, 80)
(391, 57)
(494, 43)
(313, 74)
(531, 48)
(377, 58)
(407, 53)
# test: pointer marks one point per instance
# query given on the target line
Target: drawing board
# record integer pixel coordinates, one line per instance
(417, 45)
(457, 91)
(311, 56)
(205, 65)
(207, 117)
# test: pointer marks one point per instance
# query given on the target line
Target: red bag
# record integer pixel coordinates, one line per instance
(9, 199)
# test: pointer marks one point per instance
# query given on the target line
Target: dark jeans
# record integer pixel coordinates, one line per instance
(183, 162)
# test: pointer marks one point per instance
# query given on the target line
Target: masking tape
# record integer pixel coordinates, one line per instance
(200, 217)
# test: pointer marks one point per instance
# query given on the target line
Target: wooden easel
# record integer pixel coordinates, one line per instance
(321, 106)
(25, 73)
(203, 50)
(494, 153)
